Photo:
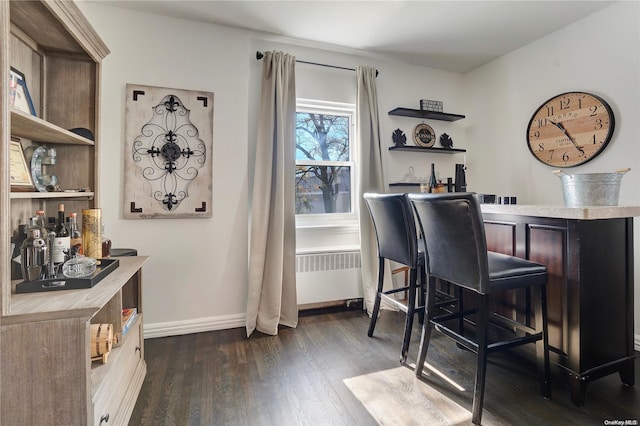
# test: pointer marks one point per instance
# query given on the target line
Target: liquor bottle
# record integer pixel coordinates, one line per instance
(62, 240)
(106, 243)
(433, 182)
(74, 234)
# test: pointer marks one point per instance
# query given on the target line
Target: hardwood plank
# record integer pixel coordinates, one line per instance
(328, 372)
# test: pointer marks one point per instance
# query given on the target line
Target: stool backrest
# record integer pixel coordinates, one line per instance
(395, 227)
(453, 231)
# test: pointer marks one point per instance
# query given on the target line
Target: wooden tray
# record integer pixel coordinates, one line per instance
(60, 282)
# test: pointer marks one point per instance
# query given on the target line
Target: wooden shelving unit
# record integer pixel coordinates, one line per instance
(46, 373)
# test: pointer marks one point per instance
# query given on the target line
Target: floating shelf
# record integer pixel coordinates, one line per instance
(431, 150)
(405, 184)
(431, 115)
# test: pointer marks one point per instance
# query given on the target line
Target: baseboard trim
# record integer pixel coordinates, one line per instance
(199, 325)
(175, 328)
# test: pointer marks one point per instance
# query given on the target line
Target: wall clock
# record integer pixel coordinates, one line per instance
(424, 136)
(570, 129)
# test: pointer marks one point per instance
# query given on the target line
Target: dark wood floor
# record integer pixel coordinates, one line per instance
(328, 372)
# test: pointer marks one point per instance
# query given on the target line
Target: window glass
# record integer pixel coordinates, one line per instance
(324, 160)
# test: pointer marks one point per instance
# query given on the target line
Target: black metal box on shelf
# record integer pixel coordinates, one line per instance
(60, 282)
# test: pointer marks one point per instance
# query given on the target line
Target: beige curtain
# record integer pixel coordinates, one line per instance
(371, 177)
(271, 299)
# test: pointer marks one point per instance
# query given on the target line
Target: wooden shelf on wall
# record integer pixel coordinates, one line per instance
(431, 150)
(431, 115)
(405, 184)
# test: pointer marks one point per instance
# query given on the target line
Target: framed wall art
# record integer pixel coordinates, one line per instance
(19, 175)
(20, 96)
(168, 153)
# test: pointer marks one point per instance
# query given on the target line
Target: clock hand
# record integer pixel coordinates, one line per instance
(563, 130)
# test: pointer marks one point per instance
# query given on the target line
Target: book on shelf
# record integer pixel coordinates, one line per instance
(128, 318)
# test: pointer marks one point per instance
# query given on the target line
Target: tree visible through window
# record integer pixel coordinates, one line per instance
(324, 163)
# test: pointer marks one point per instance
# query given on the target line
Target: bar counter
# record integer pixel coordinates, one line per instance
(560, 212)
(589, 256)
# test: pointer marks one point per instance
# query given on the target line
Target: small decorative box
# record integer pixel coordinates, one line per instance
(430, 105)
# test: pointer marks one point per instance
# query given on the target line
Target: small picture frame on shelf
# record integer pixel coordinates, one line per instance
(430, 105)
(20, 96)
(19, 175)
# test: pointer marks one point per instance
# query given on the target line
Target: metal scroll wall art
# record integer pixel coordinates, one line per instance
(168, 164)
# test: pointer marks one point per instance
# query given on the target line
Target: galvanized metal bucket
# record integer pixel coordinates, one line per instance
(591, 189)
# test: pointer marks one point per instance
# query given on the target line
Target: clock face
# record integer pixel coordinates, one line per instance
(570, 129)
(424, 136)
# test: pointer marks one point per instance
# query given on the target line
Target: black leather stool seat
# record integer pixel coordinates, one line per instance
(508, 272)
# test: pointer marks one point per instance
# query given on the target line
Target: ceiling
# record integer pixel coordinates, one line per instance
(450, 35)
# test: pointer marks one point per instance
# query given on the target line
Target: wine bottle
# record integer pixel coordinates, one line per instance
(433, 182)
(62, 240)
(74, 234)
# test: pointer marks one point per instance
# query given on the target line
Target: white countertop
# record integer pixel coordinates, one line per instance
(585, 213)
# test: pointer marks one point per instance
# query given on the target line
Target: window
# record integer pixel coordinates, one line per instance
(325, 166)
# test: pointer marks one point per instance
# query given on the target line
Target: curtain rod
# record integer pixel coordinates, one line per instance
(260, 55)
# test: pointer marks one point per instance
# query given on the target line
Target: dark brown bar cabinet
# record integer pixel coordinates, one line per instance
(589, 256)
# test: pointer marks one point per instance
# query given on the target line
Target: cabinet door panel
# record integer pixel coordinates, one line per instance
(501, 237)
(546, 245)
(44, 363)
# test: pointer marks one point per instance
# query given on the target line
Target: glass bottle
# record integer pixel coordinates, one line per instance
(41, 222)
(62, 240)
(51, 224)
(74, 234)
(106, 244)
(433, 182)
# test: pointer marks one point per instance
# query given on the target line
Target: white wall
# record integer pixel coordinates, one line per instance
(197, 270)
(599, 54)
(196, 277)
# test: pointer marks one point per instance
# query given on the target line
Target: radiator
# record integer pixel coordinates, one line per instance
(328, 276)
(327, 261)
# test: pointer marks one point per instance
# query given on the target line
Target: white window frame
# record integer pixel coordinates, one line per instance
(333, 219)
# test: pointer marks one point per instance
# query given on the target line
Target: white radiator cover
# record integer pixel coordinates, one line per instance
(328, 276)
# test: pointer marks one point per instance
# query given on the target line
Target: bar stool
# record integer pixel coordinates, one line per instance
(395, 229)
(456, 251)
